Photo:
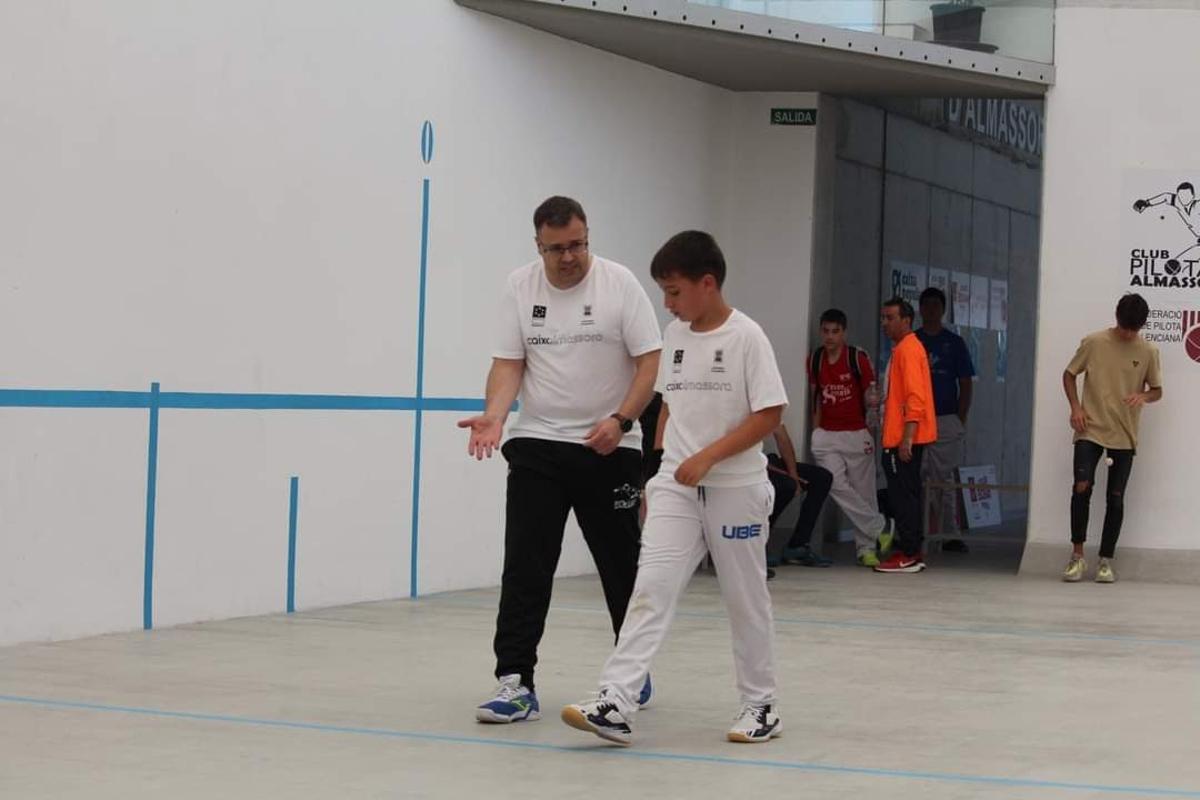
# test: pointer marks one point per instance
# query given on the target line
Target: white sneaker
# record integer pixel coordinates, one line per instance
(512, 703)
(755, 724)
(601, 717)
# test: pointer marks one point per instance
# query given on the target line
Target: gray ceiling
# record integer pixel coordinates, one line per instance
(753, 52)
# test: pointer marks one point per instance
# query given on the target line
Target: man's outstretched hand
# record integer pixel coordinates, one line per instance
(485, 435)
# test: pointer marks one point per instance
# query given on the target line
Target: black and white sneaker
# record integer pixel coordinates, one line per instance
(755, 724)
(601, 717)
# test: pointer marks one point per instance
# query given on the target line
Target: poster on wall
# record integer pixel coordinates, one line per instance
(960, 297)
(999, 310)
(979, 301)
(907, 281)
(982, 504)
(1160, 232)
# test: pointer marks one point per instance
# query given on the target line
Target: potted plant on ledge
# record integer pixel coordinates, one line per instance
(957, 23)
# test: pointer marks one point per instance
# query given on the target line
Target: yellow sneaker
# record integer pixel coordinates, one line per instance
(1104, 572)
(887, 538)
(867, 558)
(1075, 570)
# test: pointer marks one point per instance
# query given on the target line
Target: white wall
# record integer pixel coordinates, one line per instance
(767, 231)
(226, 197)
(1114, 110)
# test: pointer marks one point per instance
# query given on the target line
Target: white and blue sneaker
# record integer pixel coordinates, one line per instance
(644, 694)
(512, 703)
(601, 717)
(755, 723)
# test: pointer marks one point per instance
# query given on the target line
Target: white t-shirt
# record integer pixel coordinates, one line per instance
(579, 346)
(711, 382)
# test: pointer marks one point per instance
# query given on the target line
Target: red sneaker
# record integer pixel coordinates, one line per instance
(899, 562)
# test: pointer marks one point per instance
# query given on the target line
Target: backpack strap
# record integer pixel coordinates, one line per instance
(854, 368)
(856, 371)
(814, 374)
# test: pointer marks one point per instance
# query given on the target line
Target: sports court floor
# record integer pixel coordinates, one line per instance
(956, 683)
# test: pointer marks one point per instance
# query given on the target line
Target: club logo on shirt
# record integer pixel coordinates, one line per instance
(741, 531)
(1135, 364)
(718, 361)
(677, 361)
(539, 316)
(587, 316)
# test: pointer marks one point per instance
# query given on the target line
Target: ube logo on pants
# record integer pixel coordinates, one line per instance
(741, 531)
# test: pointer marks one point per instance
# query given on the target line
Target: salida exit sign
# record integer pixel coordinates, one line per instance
(793, 116)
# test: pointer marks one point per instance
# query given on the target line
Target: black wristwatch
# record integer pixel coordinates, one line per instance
(626, 424)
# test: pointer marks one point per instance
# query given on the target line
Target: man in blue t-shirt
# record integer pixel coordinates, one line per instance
(952, 371)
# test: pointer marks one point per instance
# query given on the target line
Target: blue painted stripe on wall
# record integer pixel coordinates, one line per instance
(314, 402)
(419, 422)
(71, 398)
(293, 510)
(151, 498)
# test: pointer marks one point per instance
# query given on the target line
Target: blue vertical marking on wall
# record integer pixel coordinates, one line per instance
(151, 493)
(293, 508)
(416, 493)
(427, 141)
(154, 400)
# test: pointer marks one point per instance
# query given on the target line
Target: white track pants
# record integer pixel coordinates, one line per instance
(850, 456)
(682, 524)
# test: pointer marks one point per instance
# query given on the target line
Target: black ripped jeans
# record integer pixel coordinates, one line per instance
(1087, 456)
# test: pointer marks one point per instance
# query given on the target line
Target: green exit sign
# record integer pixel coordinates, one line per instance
(793, 116)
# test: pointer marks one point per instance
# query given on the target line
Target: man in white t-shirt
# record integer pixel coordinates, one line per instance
(579, 342)
(722, 395)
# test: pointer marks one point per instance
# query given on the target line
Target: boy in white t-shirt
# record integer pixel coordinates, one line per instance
(722, 395)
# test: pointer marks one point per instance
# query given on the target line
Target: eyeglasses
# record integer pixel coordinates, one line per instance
(558, 250)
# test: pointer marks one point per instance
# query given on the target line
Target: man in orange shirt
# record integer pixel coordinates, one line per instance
(909, 424)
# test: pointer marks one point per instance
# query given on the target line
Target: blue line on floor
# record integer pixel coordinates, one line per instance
(875, 626)
(646, 755)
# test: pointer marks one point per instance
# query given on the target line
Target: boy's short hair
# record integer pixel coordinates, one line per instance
(933, 293)
(834, 316)
(906, 309)
(1132, 312)
(557, 212)
(690, 254)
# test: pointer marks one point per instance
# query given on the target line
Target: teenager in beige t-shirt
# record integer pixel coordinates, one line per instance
(1121, 374)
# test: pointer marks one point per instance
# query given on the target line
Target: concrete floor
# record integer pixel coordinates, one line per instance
(957, 683)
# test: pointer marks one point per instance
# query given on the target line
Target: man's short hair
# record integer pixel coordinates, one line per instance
(834, 316)
(557, 212)
(934, 293)
(1185, 185)
(1132, 312)
(690, 254)
(906, 309)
